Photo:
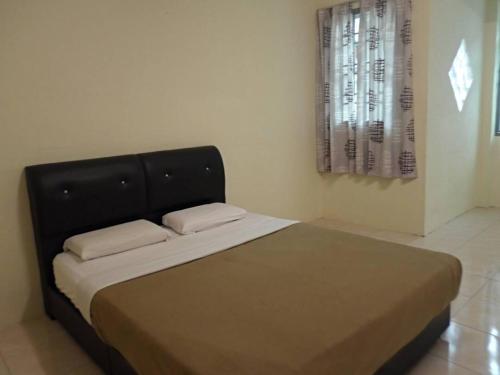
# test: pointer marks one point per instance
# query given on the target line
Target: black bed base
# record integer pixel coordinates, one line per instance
(410, 354)
(75, 197)
(108, 359)
(113, 363)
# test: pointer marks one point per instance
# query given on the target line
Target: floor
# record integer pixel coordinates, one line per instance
(470, 346)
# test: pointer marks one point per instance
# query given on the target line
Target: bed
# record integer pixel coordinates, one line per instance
(348, 304)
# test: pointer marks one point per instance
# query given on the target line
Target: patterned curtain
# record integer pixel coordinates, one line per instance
(365, 99)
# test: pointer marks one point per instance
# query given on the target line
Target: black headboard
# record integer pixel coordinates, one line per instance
(78, 196)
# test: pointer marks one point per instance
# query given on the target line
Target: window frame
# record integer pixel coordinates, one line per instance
(497, 105)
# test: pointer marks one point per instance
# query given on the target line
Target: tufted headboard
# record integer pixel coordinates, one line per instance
(73, 197)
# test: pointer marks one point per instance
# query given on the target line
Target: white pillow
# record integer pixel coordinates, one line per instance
(115, 239)
(196, 219)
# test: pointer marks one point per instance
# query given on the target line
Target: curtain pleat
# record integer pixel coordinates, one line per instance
(365, 122)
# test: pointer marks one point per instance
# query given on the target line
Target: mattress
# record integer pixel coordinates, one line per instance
(81, 280)
(302, 300)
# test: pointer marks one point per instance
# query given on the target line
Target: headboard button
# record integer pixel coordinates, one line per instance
(66, 191)
(123, 182)
(167, 175)
(207, 169)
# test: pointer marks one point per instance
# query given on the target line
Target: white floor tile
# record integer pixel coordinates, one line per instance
(490, 291)
(458, 304)
(469, 348)
(40, 347)
(480, 314)
(478, 265)
(471, 284)
(431, 365)
(447, 245)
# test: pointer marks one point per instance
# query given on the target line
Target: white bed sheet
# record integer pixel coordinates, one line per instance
(81, 280)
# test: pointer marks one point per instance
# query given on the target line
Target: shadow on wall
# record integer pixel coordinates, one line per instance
(34, 306)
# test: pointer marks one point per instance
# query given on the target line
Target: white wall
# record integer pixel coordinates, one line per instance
(489, 189)
(452, 136)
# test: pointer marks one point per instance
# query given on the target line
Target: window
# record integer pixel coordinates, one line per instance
(460, 74)
(350, 66)
(356, 12)
(365, 119)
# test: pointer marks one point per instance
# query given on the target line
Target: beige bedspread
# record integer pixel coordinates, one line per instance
(304, 300)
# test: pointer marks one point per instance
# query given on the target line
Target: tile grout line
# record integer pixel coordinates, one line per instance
(473, 329)
(480, 233)
(467, 303)
(474, 236)
(457, 250)
(477, 330)
(472, 296)
(454, 364)
(466, 326)
(460, 308)
(491, 224)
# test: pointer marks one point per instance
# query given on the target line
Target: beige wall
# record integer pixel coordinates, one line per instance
(452, 136)
(92, 78)
(448, 150)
